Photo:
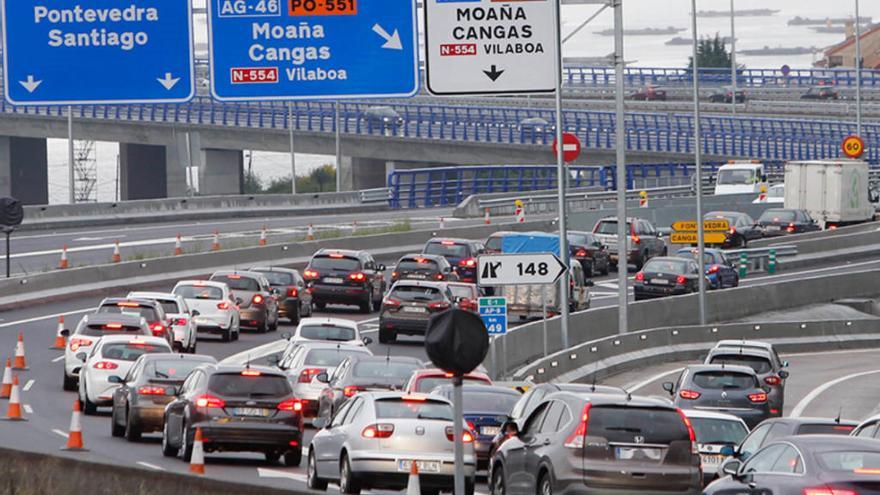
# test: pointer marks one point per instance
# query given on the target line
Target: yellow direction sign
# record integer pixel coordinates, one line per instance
(691, 238)
(714, 225)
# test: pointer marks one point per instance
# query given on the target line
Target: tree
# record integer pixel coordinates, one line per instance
(321, 179)
(252, 183)
(711, 53)
(324, 175)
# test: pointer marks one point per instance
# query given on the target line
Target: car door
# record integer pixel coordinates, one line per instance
(753, 442)
(375, 276)
(175, 410)
(770, 471)
(516, 453)
(329, 446)
(540, 444)
(122, 395)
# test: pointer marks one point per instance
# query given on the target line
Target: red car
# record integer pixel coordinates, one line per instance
(467, 296)
(424, 381)
(649, 92)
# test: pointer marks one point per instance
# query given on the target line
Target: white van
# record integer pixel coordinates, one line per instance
(740, 177)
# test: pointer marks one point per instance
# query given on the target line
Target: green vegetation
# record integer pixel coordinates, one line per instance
(321, 179)
(711, 53)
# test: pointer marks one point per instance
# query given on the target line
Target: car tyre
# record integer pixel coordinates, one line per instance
(168, 450)
(132, 431)
(294, 318)
(116, 430)
(186, 444)
(545, 485)
(367, 305)
(312, 479)
(227, 335)
(89, 408)
(70, 383)
(272, 457)
(588, 270)
(377, 305)
(348, 483)
(274, 326)
(469, 487)
(387, 336)
(498, 485)
(293, 458)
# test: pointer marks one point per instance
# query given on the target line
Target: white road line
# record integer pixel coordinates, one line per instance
(28, 385)
(45, 317)
(59, 432)
(816, 392)
(28, 409)
(842, 351)
(371, 320)
(151, 466)
(632, 387)
(784, 274)
(372, 330)
(59, 358)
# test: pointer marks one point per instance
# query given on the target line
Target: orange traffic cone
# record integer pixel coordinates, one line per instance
(60, 340)
(486, 219)
(178, 247)
(13, 411)
(117, 256)
(19, 363)
(63, 264)
(74, 437)
(197, 461)
(215, 246)
(413, 487)
(263, 236)
(310, 236)
(6, 386)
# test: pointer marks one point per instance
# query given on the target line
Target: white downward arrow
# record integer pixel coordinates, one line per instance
(169, 81)
(30, 85)
(392, 41)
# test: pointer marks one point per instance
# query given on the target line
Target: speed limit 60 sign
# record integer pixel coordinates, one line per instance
(853, 146)
(515, 269)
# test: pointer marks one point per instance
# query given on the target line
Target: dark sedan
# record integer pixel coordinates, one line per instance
(805, 465)
(728, 389)
(821, 93)
(667, 276)
(725, 94)
(408, 307)
(719, 270)
(294, 301)
(363, 372)
(785, 221)
(139, 401)
(743, 228)
(776, 428)
(590, 252)
(239, 409)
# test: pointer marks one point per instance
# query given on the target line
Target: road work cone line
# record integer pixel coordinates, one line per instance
(178, 247)
(13, 411)
(74, 437)
(60, 341)
(6, 386)
(197, 461)
(63, 264)
(413, 487)
(19, 363)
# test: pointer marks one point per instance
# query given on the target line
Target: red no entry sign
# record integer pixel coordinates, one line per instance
(571, 147)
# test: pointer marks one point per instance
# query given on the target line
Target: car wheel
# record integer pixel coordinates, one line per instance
(89, 407)
(664, 252)
(743, 242)
(272, 457)
(545, 485)
(293, 458)
(367, 305)
(387, 336)
(312, 480)
(70, 383)
(348, 484)
(606, 268)
(274, 325)
(116, 430)
(186, 444)
(167, 449)
(469, 486)
(294, 318)
(227, 335)
(377, 305)
(588, 270)
(498, 486)
(263, 327)
(132, 431)
(192, 348)
(321, 306)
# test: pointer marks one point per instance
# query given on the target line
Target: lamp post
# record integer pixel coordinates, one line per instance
(698, 166)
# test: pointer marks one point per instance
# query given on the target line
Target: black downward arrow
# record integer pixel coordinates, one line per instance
(494, 73)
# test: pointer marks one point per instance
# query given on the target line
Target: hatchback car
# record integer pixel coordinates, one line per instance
(148, 309)
(294, 301)
(180, 318)
(717, 435)
(88, 333)
(151, 383)
(719, 271)
(408, 307)
(360, 373)
(784, 221)
(667, 276)
(590, 252)
(337, 276)
(335, 330)
(217, 307)
(742, 231)
(599, 444)
(465, 296)
(729, 389)
(375, 437)
(643, 243)
(257, 304)
(423, 267)
(460, 253)
(766, 365)
(869, 428)
(424, 380)
(112, 357)
(240, 409)
(775, 428)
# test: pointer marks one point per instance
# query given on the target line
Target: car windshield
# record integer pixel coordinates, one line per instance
(723, 380)
(824, 429)
(170, 307)
(775, 216)
(329, 357)
(447, 249)
(666, 266)
(608, 227)
(742, 176)
(461, 291)
(237, 282)
(385, 369)
(416, 408)
(719, 431)
(146, 312)
(278, 278)
(198, 292)
(417, 265)
(327, 332)
(254, 385)
(858, 462)
(489, 402)
(429, 383)
(170, 369)
(339, 263)
(579, 239)
(760, 364)
(413, 293)
(623, 424)
(127, 351)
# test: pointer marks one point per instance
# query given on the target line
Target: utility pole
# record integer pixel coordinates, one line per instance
(858, 72)
(733, 56)
(698, 167)
(561, 175)
(620, 146)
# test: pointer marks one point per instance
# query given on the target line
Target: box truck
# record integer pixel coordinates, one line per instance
(834, 192)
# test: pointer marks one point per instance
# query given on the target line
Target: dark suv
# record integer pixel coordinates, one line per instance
(599, 444)
(643, 243)
(766, 364)
(148, 309)
(408, 307)
(239, 409)
(729, 389)
(461, 253)
(338, 276)
(423, 267)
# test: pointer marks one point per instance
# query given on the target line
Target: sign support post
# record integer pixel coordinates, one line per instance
(560, 185)
(292, 155)
(698, 165)
(620, 148)
(70, 158)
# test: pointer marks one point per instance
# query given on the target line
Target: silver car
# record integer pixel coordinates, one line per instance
(374, 438)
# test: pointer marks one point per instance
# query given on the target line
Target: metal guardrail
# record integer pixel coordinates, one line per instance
(758, 258)
(378, 195)
(604, 76)
(532, 203)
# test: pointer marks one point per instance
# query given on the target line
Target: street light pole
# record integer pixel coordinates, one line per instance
(561, 175)
(292, 154)
(620, 148)
(858, 72)
(70, 159)
(698, 167)
(733, 56)
(338, 151)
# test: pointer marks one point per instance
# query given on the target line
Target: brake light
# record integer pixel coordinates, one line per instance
(689, 394)
(310, 274)
(828, 491)
(581, 253)
(438, 306)
(113, 326)
(714, 269)
(233, 277)
(76, 343)
(336, 255)
(258, 299)
(790, 228)
(223, 305)
(105, 365)
(695, 449)
(732, 230)
(471, 426)
(306, 375)
(210, 401)
(468, 263)
(640, 276)
(126, 304)
(394, 275)
(772, 380)
(250, 373)
(179, 322)
(292, 292)
(466, 435)
(758, 398)
(636, 239)
(393, 303)
(439, 276)
(151, 390)
(351, 390)
(448, 243)
(681, 280)
(380, 430)
(294, 405)
(357, 277)
(413, 398)
(158, 329)
(576, 439)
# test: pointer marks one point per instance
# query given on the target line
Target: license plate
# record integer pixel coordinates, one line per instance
(772, 228)
(490, 430)
(424, 466)
(659, 281)
(415, 275)
(711, 459)
(250, 411)
(332, 280)
(414, 309)
(637, 453)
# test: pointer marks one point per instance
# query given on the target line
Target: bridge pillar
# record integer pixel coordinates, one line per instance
(24, 171)
(221, 172)
(143, 171)
(362, 173)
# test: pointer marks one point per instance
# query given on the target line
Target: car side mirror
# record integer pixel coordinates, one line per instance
(323, 377)
(367, 340)
(273, 359)
(238, 300)
(82, 356)
(589, 283)
(785, 364)
(195, 312)
(380, 268)
(274, 291)
(783, 374)
(731, 467)
(727, 450)
(115, 379)
(669, 387)
(510, 429)
(286, 335)
(320, 422)
(65, 332)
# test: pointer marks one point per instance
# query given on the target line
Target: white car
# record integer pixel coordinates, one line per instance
(713, 432)
(90, 330)
(775, 195)
(303, 362)
(217, 307)
(180, 318)
(109, 362)
(334, 330)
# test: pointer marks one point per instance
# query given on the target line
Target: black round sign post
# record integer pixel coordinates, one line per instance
(457, 342)
(11, 215)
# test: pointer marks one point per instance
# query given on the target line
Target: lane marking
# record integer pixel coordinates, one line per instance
(275, 473)
(151, 466)
(805, 402)
(46, 317)
(371, 320)
(59, 358)
(59, 432)
(372, 330)
(28, 385)
(632, 387)
(28, 409)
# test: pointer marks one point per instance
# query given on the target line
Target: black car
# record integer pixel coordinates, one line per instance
(240, 409)
(408, 307)
(821, 93)
(805, 465)
(725, 94)
(784, 221)
(719, 270)
(461, 253)
(294, 301)
(728, 389)
(423, 267)
(151, 383)
(362, 372)
(590, 252)
(148, 309)
(337, 276)
(776, 428)
(667, 276)
(743, 229)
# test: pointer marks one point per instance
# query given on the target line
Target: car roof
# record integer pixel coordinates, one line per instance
(392, 359)
(419, 283)
(494, 389)
(462, 284)
(140, 300)
(238, 368)
(744, 343)
(152, 295)
(279, 269)
(147, 339)
(500, 233)
(438, 372)
(802, 420)
(378, 395)
(457, 240)
(583, 388)
(740, 351)
(670, 258)
(342, 346)
(831, 442)
(698, 368)
(724, 214)
(182, 357)
(697, 413)
(348, 253)
(242, 273)
(600, 399)
(203, 283)
(694, 250)
(339, 322)
(435, 257)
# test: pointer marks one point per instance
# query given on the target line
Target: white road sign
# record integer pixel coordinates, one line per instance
(490, 46)
(516, 269)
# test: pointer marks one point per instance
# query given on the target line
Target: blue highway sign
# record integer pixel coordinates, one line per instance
(493, 312)
(312, 49)
(97, 52)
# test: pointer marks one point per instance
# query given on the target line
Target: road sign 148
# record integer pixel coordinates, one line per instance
(533, 269)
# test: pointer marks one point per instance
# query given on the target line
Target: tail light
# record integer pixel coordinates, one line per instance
(439, 276)
(180, 322)
(466, 435)
(258, 299)
(391, 303)
(310, 274)
(468, 263)
(758, 398)
(714, 269)
(357, 277)
(105, 365)
(790, 228)
(223, 305)
(772, 380)
(471, 426)
(581, 253)
(640, 276)
(438, 306)
(379, 430)
(250, 372)
(394, 275)
(76, 343)
(210, 401)
(695, 449)
(307, 374)
(681, 280)
(689, 394)
(829, 491)
(351, 390)
(293, 405)
(292, 292)
(151, 390)
(635, 239)
(576, 439)
(158, 329)
(113, 326)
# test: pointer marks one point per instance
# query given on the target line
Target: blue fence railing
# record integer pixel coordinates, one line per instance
(604, 76)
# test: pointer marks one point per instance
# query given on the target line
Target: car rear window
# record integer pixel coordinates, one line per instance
(448, 250)
(824, 429)
(608, 227)
(719, 431)
(770, 216)
(198, 292)
(692, 254)
(145, 312)
(385, 369)
(417, 265)
(415, 293)
(759, 364)
(239, 385)
(462, 291)
(170, 307)
(278, 278)
(341, 263)
(419, 408)
(237, 282)
(858, 462)
(666, 266)
(490, 402)
(329, 357)
(326, 332)
(429, 383)
(101, 329)
(170, 369)
(723, 380)
(125, 351)
(619, 424)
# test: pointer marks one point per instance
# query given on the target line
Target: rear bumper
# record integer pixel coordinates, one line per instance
(252, 317)
(338, 294)
(380, 470)
(404, 325)
(149, 418)
(249, 437)
(649, 291)
(289, 306)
